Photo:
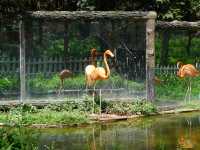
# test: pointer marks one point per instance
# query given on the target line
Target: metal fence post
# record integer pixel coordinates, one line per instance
(22, 62)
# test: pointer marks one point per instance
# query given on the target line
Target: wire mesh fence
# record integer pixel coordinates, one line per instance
(54, 45)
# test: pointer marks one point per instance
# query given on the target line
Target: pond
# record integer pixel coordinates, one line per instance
(177, 131)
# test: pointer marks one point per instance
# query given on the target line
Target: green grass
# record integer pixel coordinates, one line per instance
(45, 117)
(17, 116)
(71, 113)
(54, 117)
(174, 88)
(42, 84)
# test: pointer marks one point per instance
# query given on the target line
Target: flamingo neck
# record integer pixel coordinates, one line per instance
(106, 67)
(94, 59)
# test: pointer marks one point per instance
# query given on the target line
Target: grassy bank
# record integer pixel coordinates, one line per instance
(71, 113)
(28, 114)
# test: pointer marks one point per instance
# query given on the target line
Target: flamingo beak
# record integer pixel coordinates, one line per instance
(112, 55)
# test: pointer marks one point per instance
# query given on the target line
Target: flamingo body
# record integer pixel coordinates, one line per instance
(63, 75)
(92, 73)
(187, 71)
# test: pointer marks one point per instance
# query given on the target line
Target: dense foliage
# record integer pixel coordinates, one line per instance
(177, 49)
(167, 9)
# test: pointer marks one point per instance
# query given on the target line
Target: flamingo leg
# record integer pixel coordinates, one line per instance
(186, 95)
(100, 101)
(61, 86)
(93, 99)
(190, 89)
(86, 89)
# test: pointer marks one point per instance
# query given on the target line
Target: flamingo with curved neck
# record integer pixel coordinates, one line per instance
(93, 73)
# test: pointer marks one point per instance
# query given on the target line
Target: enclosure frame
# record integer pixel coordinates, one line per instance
(149, 17)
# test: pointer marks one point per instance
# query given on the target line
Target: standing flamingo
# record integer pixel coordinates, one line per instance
(63, 75)
(187, 71)
(92, 73)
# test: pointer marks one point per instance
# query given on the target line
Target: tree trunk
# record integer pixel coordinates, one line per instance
(165, 48)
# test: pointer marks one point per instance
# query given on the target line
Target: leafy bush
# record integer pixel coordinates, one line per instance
(148, 108)
(138, 107)
(9, 83)
(120, 108)
(18, 139)
(50, 115)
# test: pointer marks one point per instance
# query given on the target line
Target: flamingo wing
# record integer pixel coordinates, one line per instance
(189, 71)
(101, 73)
(90, 75)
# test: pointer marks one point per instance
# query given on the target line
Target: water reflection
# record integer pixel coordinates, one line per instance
(171, 132)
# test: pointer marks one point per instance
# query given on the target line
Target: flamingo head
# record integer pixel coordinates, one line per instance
(93, 51)
(179, 64)
(109, 53)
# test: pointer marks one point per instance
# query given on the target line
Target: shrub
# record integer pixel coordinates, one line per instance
(148, 108)
(18, 139)
(120, 108)
(9, 83)
(138, 107)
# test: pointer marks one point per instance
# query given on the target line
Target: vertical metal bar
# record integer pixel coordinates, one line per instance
(22, 62)
(100, 101)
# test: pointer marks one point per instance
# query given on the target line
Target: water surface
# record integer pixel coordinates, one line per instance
(179, 131)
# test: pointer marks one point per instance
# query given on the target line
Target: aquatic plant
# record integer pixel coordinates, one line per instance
(21, 139)
(18, 139)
